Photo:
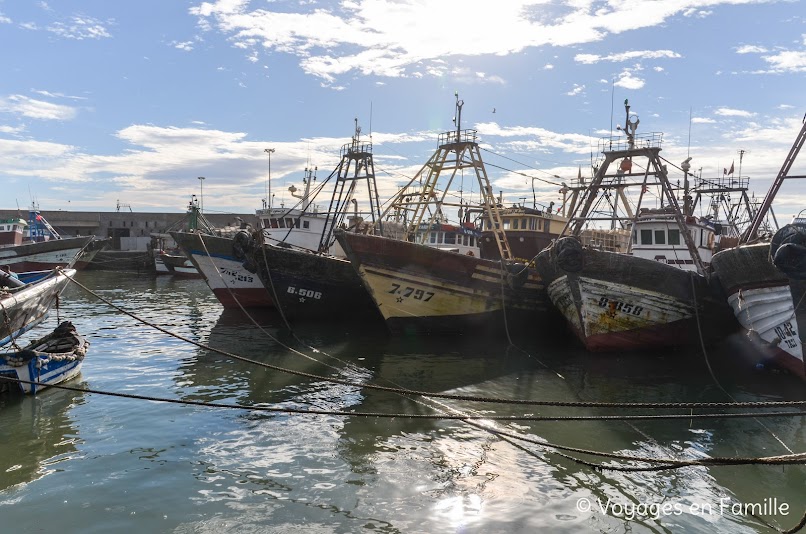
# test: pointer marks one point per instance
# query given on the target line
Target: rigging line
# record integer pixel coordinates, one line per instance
(523, 174)
(470, 398)
(521, 163)
(711, 371)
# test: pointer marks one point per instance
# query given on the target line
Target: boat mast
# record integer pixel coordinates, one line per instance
(457, 150)
(761, 214)
(356, 165)
(648, 147)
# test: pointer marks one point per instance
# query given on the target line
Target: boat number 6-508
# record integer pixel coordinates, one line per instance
(310, 293)
(417, 294)
(620, 306)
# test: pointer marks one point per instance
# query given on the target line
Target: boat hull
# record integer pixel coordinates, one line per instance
(24, 308)
(214, 257)
(48, 361)
(44, 255)
(420, 289)
(766, 303)
(307, 286)
(617, 302)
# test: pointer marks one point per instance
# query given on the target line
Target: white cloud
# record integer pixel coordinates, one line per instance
(35, 109)
(789, 61)
(187, 46)
(728, 112)
(576, 90)
(751, 49)
(392, 38)
(80, 28)
(626, 80)
(548, 66)
(4, 19)
(589, 59)
(702, 120)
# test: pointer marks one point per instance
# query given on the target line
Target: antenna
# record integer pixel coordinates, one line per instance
(688, 149)
(370, 120)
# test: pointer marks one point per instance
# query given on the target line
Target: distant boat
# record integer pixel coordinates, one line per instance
(179, 265)
(765, 280)
(26, 306)
(650, 289)
(50, 360)
(35, 245)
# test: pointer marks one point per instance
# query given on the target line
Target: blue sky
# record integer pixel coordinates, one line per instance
(105, 101)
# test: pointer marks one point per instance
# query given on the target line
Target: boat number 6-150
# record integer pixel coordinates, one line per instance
(616, 305)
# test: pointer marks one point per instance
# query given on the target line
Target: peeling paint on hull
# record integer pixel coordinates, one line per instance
(619, 302)
(422, 289)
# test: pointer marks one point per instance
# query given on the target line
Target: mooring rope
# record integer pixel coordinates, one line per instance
(710, 369)
(470, 398)
(661, 463)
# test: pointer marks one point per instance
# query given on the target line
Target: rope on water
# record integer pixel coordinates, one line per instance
(470, 398)
(667, 463)
(710, 369)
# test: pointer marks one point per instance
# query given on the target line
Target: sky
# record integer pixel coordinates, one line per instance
(109, 105)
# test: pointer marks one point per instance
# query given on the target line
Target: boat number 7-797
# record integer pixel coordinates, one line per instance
(414, 293)
(616, 305)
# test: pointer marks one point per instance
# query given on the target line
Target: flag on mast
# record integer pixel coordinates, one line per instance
(731, 168)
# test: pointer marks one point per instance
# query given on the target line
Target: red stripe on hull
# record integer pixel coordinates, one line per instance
(652, 337)
(248, 298)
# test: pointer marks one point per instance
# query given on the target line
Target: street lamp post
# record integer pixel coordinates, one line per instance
(201, 193)
(269, 151)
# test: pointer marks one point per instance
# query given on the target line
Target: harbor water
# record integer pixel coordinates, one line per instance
(76, 461)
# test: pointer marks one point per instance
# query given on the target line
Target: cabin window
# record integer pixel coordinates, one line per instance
(507, 224)
(289, 223)
(635, 237)
(433, 237)
(274, 223)
(701, 232)
(660, 237)
(514, 224)
(523, 224)
(472, 241)
(646, 237)
(674, 237)
(450, 238)
(306, 224)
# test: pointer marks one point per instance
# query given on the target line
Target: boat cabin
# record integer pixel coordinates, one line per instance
(462, 239)
(11, 231)
(656, 236)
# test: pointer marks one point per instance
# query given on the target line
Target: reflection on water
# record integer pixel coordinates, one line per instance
(128, 463)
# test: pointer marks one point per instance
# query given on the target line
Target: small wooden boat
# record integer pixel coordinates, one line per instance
(24, 306)
(50, 360)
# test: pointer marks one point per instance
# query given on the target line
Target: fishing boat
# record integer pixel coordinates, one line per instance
(220, 260)
(654, 291)
(764, 279)
(23, 306)
(296, 255)
(35, 245)
(50, 360)
(419, 288)
(220, 255)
